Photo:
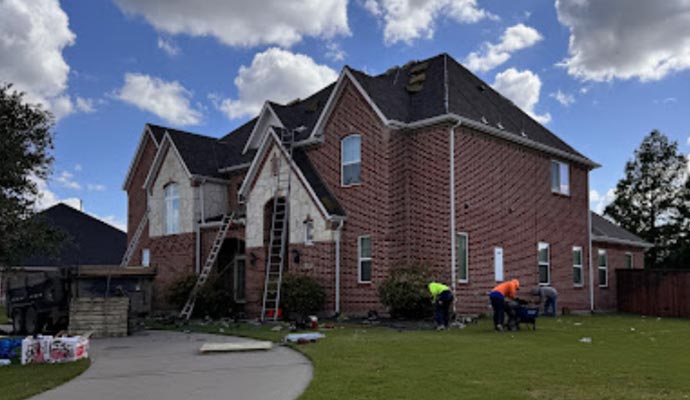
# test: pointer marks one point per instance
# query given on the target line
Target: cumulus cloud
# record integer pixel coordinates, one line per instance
(334, 52)
(78, 167)
(112, 221)
(407, 20)
(168, 46)
(85, 105)
(33, 35)
(47, 198)
(66, 180)
(277, 75)
(598, 202)
(492, 55)
(523, 88)
(620, 39)
(168, 100)
(244, 23)
(565, 99)
(95, 187)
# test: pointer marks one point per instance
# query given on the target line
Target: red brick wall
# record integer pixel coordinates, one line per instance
(172, 256)
(137, 199)
(605, 297)
(504, 199)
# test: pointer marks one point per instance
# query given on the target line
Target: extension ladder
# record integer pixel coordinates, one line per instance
(188, 308)
(135, 240)
(279, 232)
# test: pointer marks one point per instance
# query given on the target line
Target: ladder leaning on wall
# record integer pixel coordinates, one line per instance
(188, 308)
(277, 246)
(135, 240)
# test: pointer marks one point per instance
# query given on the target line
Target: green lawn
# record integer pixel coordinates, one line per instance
(21, 382)
(630, 357)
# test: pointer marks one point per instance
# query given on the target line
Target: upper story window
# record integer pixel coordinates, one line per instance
(172, 208)
(351, 160)
(309, 231)
(560, 178)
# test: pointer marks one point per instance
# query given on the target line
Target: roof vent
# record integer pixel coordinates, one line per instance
(421, 67)
(523, 134)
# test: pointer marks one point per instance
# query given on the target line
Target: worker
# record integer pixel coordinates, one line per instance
(442, 298)
(498, 296)
(549, 296)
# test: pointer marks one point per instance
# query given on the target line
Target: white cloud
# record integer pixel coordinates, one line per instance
(598, 202)
(168, 100)
(620, 39)
(334, 52)
(688, 141)
(407, 20)
(245, 23)
(78, 167)
(168, 46)
(47, 198)
(666, 100)
(565, 99)
(112, 220)
(85, 105)
(33, 35)
(95, 187)
(276, 75)
(515, 38)
(66, 180)
(523, 88)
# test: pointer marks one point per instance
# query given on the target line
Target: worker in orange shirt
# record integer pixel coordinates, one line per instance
(498, 300)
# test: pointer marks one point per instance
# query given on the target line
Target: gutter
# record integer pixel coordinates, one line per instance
(234, 168)
(607, 239)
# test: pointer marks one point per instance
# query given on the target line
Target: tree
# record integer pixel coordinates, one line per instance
(653, 200)
(26, 143)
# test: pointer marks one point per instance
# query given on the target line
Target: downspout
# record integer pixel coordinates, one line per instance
(453, 256)
(589, 240)
(338, 232)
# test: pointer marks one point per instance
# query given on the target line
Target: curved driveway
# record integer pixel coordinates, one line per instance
(167, 366)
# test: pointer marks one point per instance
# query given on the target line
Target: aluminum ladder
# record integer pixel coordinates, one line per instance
(277, 245)
(135, 240)
(188, 308)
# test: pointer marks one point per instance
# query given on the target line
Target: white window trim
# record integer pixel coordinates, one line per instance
(307, 240)
(360, 259)
(235, 280)
(467, 256)
(632, 260)
(147, 258)
(343, 164)
(582, 276)
(558, 191)
(548, 264)
(605, 268)
(170, 228)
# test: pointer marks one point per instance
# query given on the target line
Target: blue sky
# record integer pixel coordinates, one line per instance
(601, 75)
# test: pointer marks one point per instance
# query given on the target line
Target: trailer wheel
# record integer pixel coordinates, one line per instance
(18, 321)
(32, 321)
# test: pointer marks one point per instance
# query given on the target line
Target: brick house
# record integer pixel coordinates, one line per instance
(423, 163)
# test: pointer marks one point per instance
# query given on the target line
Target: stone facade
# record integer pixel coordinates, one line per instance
(172, 171)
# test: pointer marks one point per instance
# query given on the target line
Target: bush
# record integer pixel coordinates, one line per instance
(214, 300)
(301, 295)
(405, 293)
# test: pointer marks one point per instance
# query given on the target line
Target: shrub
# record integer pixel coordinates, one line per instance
(301, 295)
(214, 300)
(405, 293)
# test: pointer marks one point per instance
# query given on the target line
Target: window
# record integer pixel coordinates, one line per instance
(461, 257)
(560, 178)
(364, 249)
(350, 157)
(308, 231)
(577, 266)
(498, 264)
(172, 209)
(145, 258)
(603, 264)
(240, 279)
(543, 258)
(629, 263)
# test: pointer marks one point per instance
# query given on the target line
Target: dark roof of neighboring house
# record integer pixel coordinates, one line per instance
(606, 231)
(321, 191)
(91, 241)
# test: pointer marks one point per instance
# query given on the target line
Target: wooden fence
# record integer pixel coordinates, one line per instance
(101, 316)
(654, 293)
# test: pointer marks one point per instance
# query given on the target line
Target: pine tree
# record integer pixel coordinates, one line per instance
(653, 200)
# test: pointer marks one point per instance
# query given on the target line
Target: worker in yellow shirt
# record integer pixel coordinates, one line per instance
(442, 298)
(498, 296)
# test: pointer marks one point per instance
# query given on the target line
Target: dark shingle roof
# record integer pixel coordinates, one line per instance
(607, 230)
(329, 201)
(92, 242)
(304, 112)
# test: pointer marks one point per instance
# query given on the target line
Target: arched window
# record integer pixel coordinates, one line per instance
(351, 160)
(172, 209)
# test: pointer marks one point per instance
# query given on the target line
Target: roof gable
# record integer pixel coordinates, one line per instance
(148, 134)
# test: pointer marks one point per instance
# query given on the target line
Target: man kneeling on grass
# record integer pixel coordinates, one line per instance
(549, 296)
(442, 298)
(498, 296)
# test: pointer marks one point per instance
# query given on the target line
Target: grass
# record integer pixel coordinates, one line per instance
(630, 358)
(23, 381)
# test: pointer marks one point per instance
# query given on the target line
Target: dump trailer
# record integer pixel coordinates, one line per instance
(38, 299)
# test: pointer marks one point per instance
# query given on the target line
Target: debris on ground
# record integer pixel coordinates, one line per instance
(233, 347)
(587, 340)
(4, 362)
(48, 349)
(303, 338)
(632, 329)
(457, 325)
(577, 323)
(277, 328)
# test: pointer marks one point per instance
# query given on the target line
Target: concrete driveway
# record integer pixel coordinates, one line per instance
(166, 365)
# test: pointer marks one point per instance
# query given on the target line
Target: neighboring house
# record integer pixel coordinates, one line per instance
(423, 163)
